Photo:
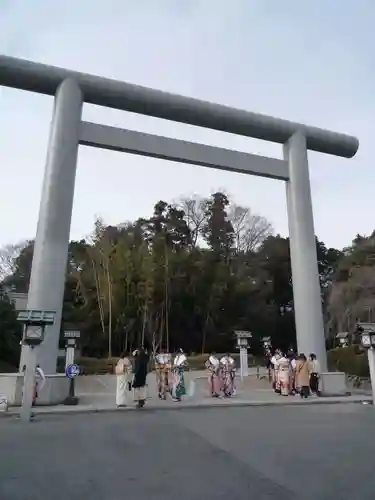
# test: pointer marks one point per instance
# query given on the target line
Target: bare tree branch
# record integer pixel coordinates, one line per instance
(195, 217)
(8, 256)
(352, 300)
(250, 229)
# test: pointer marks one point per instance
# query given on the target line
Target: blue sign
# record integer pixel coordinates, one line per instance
(72, 371)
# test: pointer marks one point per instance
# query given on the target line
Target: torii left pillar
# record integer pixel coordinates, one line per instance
(47, 281)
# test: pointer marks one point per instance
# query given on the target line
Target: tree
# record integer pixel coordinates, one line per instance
(250, 230)
(10, 331)
(218, 231)
(351, 294)
(8, 256)
(15, 265)
(195, 216)
(189, 275)
(328, 260)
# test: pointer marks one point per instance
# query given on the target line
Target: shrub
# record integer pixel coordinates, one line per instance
(6, 367)
(95, 366)
(351, 360)
(91, 366)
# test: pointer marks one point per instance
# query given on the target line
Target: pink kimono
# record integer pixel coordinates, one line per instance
(214, 382)
(284, 375)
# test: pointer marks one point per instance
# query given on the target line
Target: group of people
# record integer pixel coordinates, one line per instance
(292, 374)
(170, 376)
(132, 376)
(221, 376)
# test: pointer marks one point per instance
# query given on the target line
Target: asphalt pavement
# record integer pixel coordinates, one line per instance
(309, 452)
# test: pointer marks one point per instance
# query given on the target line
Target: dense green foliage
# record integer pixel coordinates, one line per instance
(188, 276)
(10, 333)
(351, 359)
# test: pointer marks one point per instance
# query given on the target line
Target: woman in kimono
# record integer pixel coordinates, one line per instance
(214, 382)
(163, 368)
(140, 371)
(284, 375)
(123, 372)
(228, 373)
(179, 366)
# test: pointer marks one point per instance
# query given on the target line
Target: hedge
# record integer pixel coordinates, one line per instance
(94, 366)
(351, 360)
(6, 367)
(91, 366)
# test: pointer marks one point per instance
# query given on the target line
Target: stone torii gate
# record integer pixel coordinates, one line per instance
(71, 89)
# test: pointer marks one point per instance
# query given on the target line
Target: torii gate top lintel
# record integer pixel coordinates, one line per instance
(35, 77)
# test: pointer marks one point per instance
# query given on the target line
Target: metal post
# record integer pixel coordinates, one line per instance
(371, 364)
(306, 285)
(47, 282)
(241, 363)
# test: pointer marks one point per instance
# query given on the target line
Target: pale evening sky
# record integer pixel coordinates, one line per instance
(311, 62)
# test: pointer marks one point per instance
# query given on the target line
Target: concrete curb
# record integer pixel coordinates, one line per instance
(196, 406)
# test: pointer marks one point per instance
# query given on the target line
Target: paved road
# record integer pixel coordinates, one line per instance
(314, 453)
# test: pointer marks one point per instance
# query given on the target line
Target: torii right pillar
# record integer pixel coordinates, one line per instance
(305, 275)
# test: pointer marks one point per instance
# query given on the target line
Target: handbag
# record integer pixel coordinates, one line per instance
(120, 368)
(301, 366)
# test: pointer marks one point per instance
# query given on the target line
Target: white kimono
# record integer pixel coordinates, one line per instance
(123, 375)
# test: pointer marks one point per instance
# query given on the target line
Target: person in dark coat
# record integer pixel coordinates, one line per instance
(140, 371)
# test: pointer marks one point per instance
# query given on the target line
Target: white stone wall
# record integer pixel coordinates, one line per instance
(19, 300)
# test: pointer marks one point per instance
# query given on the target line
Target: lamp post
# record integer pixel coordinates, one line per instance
(343, 339)
(242, 345)
(34, 323)
(367, 331)
(71, 337)
(71, 369)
